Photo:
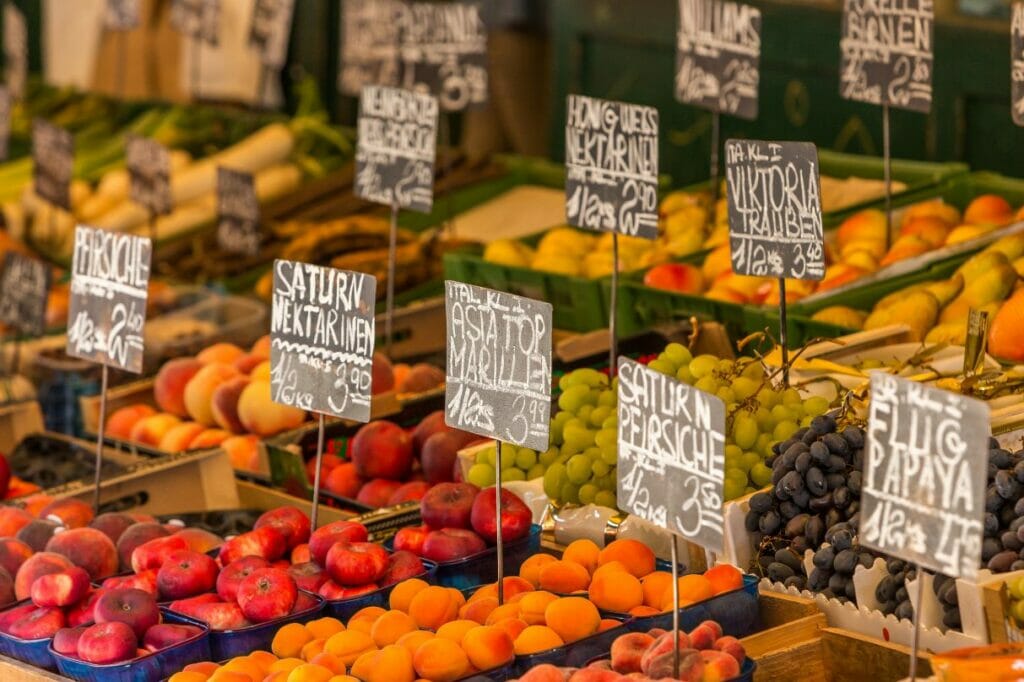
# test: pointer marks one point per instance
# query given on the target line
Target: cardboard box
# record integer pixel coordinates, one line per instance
(17, 421)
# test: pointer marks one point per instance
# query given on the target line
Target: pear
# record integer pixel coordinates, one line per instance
(508, 252)
(1011, 246)
(841, 316)
(988, 287)
(898, 295)
(918, 310)
(980, 263)
(947, 289)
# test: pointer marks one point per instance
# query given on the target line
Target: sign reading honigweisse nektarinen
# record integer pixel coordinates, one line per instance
(774, 201)
(718, 56)
(611, 162)
(107, 307)
(886, 53)
(24, 288)
(671, 468)
(53, 156)
(925, 473)
(322, 339)
(499, 365)
(396, 148)
(270, 30)
(1017, 63)
(197, 19)
(238, 212)
(149, 174)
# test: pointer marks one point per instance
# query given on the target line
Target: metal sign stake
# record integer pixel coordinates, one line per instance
(914, 642)
(104, 374)
(500, 552)
(613, 332)
(716, 122)
(390, 303)
(783, 326)
(675, 607)
(313, 513)
(887, 175)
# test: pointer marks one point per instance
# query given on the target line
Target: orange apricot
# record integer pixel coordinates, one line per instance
(479, 609)
(536, 638)
(264, 659)
(583, 552)
(364, 618)
(323, 628)
(512, 626)
(616, 592)
(404, 591)
(654, 585)
(635, 555)
(530, 569)
(454, 630)
(512, 585)
(692, 589)
(502, 612)
(433, 607)
(390, 626)
(329, 661)
(441, 660)
(609, 623)
(206, 668)
(487, 647)
(531, 606)
(312, 649)
(349, 645)
(309, 672)
(393, 663)
(412, 640)
(187, 677)
(289, 640)
(285, 665)
(564, 577)
(573, 618)
(243, 665)
(723, 578)
(643, 610)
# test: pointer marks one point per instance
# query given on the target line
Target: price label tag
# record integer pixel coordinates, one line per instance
(718, 56)
(886, 53)
(925, 471)
(499, 365)
(24, 289)
(238, 213)
(5, 121)
(15, 50)
(444, 52)
(1017, 63)
(396, 148)
(671, 467)
(53, 156)
(197, 19)
(322, 338)
(109, 287)
(149, 174)
(270, 30)
(611, 162)
(369, 45)
(774, 201)
(122, 15)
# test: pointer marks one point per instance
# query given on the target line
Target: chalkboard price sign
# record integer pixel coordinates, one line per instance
(369, 45)
(122, 15)
(886, 53)
(611, 161)
(53, 154)
(198, 19)
(1017, 63)
(24, 288)
(396, 148)
(107, 308)
(321, 339)
(149, 173)
(923, 495)
(774, 201)
(270, 29)
(718, 56)
(499, 365)
(238, 213)
(671, 454)
(5, 121)
(15, 50)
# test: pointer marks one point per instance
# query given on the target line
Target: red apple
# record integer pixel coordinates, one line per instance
(168, 634)
(413, 491)
(151, 555)
(66, 640)
(382, 449)
(449, 544)
(232, 575)
(135, 608)
(356, 563)
(681, 277)
(448, 505)
(322, 538)
(186, 574)
(42, 623)
(110, 642)
(308, 575)
(401, 566)
(267, 594)
(411, 539)
(515, 516)
(291, 522)
(266, 542)
(145, 581)
(64, 588)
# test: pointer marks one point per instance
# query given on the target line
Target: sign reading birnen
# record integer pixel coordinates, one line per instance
(611, 161)
(149, 173)
(1017, 63)
(53, 156)
(24, 288)
(322, 338)
(774, 201)
(886, 53)
(109, 288)
(671, 467)
(369, 45)
(238, 213)
(443, 47)
(270, 30)
(197, 19)
(499, 365)
(396, 148)
(718, 56)
(923, 495)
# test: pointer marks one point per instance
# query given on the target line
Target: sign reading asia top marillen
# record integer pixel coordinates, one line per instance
(718, 56)
(109, 287)
(774, 201)
(396, 148)
(886, 53)
(671, 467)
(499, 365)
(925, 472)
(611, 162)
(321, 339)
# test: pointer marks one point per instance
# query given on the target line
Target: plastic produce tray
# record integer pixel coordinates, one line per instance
(575, 654)
(737, 612)
(343, 609)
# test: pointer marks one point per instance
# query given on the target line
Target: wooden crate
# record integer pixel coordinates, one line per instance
(17, 421)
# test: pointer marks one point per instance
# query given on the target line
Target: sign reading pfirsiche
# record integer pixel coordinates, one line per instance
(109, 287)
(322, 338)
(499, 365)
(396, 148)
(611, 163)
(149, 174)
(53, 156)
(24, 288)
(671, 467)
(774, 201)
(197, 19)
(238, 212)
(923, 494)
(886, 53)
(718, 56)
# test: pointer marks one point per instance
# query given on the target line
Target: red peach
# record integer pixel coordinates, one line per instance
(291, 522)
(266, 542)
(199, 539)
(145, 581)
(37, 533)
(13, 553)
(112, 524)
(516, 517)
(38, 565)
(705, 635)
(86, 547)
(402, 565)
(449, 544)
(328, 463)
(123, 420)
(6, 588)
(42, 623)
(135, 608)
(448, 505)
(15, 613)
(628, 650)
(220, 352)
(65, 641)
(136, 536)
(410, 492)
(224, 404)
(377, 492)
(68, 512)
(431, 424)
(267, 594)
(420, 378)
(351, 564)
(151, 554)
(12, 519)
(382, 375)
(150, 430)
(308, 575)
(170, 382)
(110, 642)
(411, 538)
(232, 575)
(220, 616)
(323, 538)
(167, 635)
(199, 391)
(733, 647)
(440, 454)
(185, 574)
(719, 666)
(64, 588)
(332, 591)
(343, 481)
(382, 449)
(82, 612)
